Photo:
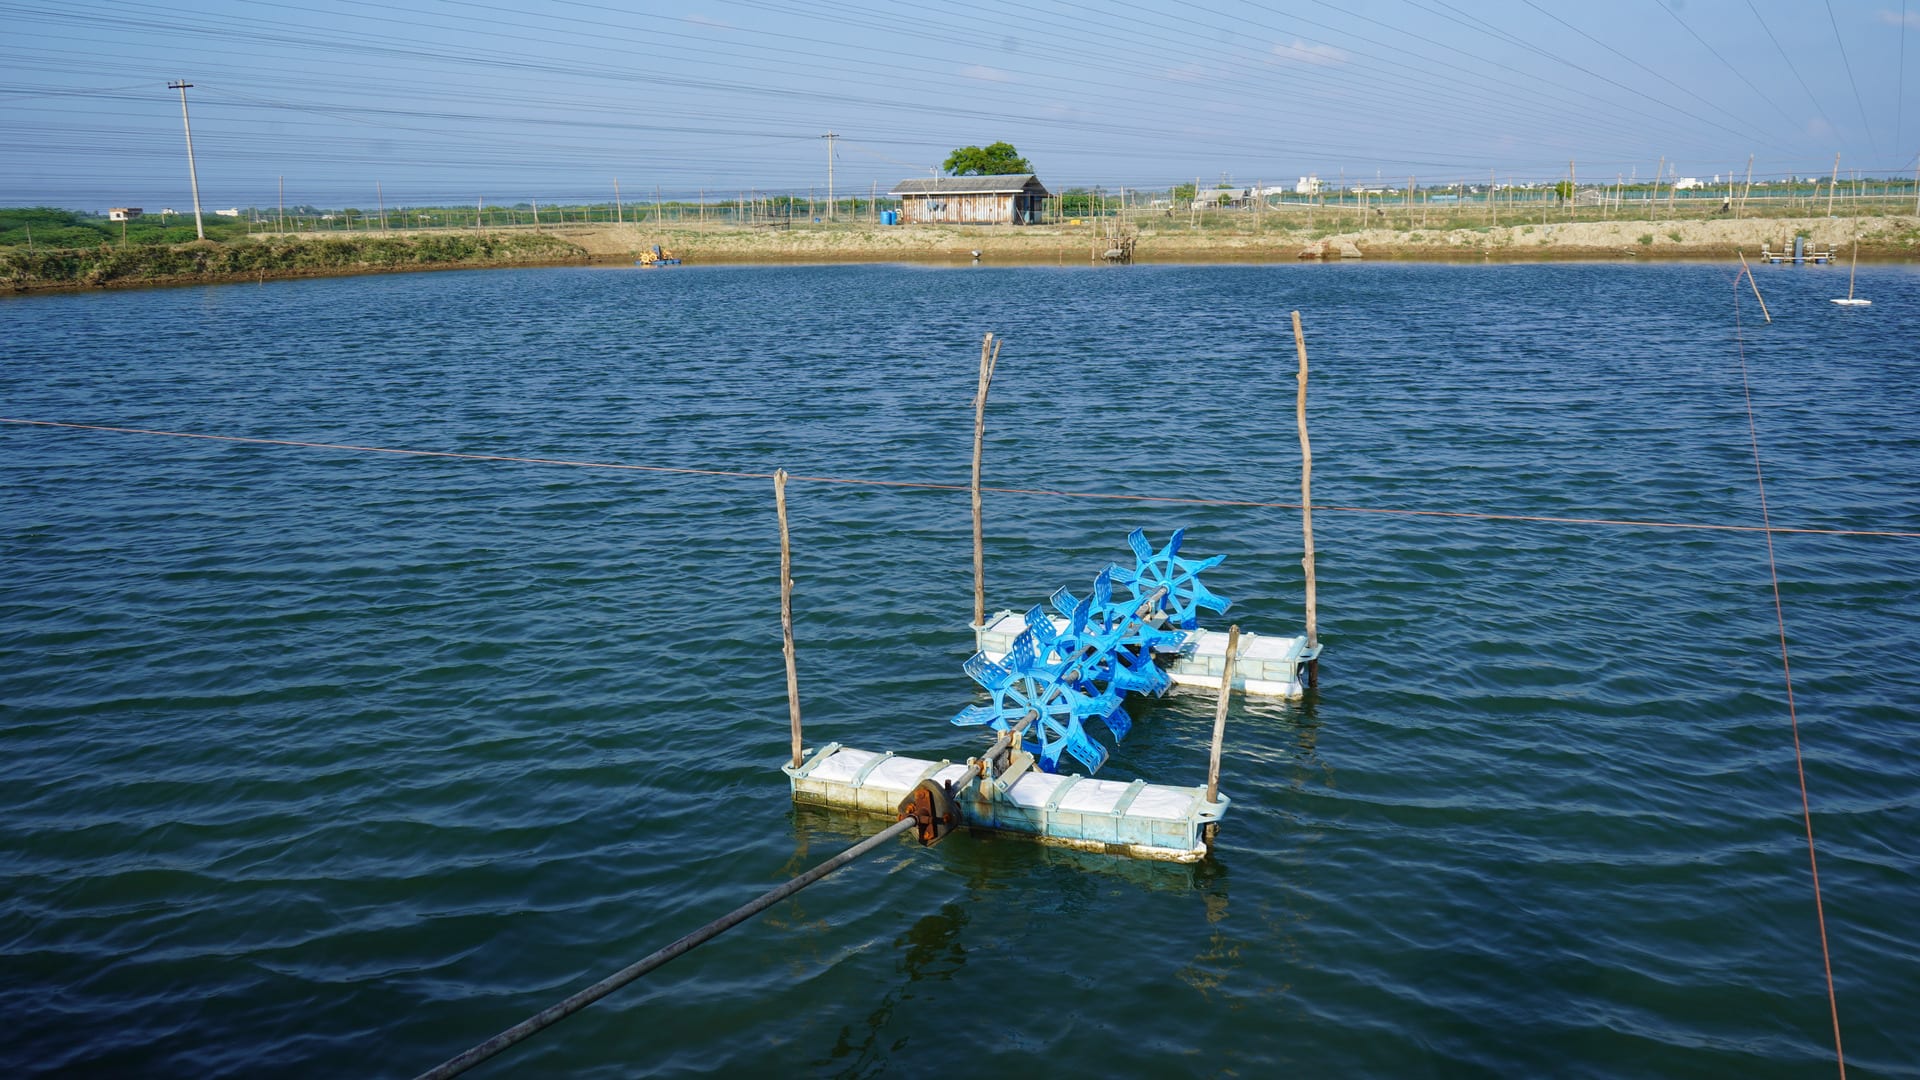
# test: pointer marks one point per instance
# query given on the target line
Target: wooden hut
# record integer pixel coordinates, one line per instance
(1017, 199)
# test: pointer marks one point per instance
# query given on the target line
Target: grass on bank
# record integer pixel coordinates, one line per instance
(103, 264)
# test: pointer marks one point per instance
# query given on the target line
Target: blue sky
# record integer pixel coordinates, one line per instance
(444, 101)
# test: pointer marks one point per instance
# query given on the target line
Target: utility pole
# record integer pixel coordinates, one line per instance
(283, 204)
(192, 174)
(619, 215)
(830, 136)
(1831, 184)
(381, 197)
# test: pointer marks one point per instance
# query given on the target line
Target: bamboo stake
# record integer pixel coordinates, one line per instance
(1220, 715)
(1747, 189)
(989, 356)
(1755, 284)
(1831, 184)
(786, 610)
(1306, 501)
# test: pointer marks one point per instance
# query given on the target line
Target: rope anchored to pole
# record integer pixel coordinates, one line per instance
(553, 1014)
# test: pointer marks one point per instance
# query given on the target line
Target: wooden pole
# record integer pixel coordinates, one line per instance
(786, 610)
(989, 356)
(1220, 715)
(1831, 184)
(1755, 284)
(1655, 196)
(1306, 500)
(1747, 189)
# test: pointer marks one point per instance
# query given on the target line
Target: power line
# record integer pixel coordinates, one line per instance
(1848, 64)
(1831, 126)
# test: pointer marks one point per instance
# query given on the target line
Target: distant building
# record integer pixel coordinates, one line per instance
(1308, 185)
(123, 213)
(1686, 183)
(235, 212)
(1017, 199)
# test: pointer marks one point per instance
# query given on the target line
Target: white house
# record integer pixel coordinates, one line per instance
(235, 212)
(123, 213)
(1308, 185)
(1686, 183)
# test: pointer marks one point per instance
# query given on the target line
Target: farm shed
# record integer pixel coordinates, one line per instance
(971, 200)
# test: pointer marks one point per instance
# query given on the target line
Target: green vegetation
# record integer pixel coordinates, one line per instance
(1674, 236)
(273, 257)
(995, 159)
(1646, 239)
(44, 226)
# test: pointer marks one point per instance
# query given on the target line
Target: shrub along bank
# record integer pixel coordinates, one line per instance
(274, 257)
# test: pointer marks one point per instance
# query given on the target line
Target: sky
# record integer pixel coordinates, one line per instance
(433, 102)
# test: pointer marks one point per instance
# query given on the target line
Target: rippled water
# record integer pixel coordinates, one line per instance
(326, 763)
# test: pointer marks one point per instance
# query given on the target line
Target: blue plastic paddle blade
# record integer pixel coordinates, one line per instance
(1142, 551)
(990, 675)
(975, 716)
(1063, 601)
(1048, 641)
(1118, 722)
(1023, 655)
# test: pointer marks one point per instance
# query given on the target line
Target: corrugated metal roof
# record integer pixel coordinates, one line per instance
(971, 185)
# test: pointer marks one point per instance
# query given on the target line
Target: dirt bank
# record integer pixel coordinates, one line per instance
(1889, 238)
(1161, 240)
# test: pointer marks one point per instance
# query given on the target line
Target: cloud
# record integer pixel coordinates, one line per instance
(1318, 55)
(985, 74)
(1911, 19)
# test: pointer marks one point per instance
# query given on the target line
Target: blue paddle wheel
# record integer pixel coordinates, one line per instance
(1080, 663)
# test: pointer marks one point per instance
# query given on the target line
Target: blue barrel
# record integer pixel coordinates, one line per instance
(889, 217)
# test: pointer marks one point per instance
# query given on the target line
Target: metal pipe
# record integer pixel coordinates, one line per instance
(555, 1013)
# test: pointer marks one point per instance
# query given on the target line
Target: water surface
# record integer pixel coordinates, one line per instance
(328, 763)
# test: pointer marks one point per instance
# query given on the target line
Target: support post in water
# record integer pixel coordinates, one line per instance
(1220, 714)
(989, 356)
(1306, 502)
(1755, 284)
(786, 610)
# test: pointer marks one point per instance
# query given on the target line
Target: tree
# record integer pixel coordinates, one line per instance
(998, 159)
(1183, 192)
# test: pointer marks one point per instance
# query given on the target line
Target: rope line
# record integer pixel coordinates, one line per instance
(927, 485)
(1786, 669)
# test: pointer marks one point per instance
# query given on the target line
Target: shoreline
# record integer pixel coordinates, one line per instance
(1884, 240)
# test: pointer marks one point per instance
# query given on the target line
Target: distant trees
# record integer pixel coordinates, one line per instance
(996, 159)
